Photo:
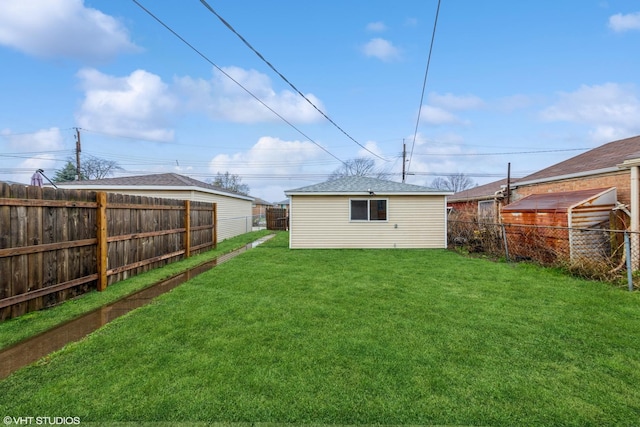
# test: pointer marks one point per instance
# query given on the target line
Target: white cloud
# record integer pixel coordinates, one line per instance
(381, 49)
(141, 105)
(438, 116)
(371, 147)
(45, 145)
(376, 27)
(439, 109)
(611, 109)
(270, 157)
(138, 105)
(223, 99)
(453, 102)
(64, 28)
(442, 156)
(628, 22)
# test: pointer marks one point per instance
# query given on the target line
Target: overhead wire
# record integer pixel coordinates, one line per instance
(203, 56)
(7, 135)
(500, 154)
(424, 85)
(233, 30)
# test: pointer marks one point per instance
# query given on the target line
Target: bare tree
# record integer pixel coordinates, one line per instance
(96, 168)
(230, 182)
(91, 168)
(360, 166)
(455, 182)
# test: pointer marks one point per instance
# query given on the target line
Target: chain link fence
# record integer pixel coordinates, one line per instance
(593, 253)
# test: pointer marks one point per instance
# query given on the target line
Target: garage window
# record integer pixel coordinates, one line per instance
(369, 210)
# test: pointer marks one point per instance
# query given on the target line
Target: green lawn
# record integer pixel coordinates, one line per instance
(355, 337)
(30, 324)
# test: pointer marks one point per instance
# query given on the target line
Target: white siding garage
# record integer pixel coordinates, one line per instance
(234, 211)
(360, 212)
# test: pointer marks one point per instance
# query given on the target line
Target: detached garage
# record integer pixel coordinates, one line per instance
(361, 212)
(233, 210)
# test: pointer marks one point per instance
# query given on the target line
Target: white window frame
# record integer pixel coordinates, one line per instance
(369, 210)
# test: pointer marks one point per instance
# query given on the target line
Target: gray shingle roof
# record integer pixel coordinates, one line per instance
(259, 201)
(486, 191)
(479, 192)
(360, 185)
(153, 180)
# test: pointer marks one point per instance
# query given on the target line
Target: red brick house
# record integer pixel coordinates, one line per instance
(602, 167)
(482, 202)
(610, 165)
(615, 164)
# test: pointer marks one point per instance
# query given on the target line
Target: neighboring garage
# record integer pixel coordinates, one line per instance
(234, 211)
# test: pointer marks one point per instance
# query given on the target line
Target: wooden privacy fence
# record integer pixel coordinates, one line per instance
(277, 219)
(57, 244)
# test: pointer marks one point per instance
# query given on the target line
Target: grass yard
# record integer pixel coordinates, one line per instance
(354, 337)
(30, 324)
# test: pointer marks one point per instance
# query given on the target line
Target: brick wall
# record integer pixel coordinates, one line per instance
(620, 180)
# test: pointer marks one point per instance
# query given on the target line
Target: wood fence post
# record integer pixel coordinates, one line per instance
(215, 225)
(187, 228)
(101, 223)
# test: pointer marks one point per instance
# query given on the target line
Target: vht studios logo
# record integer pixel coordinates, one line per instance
(41, 420)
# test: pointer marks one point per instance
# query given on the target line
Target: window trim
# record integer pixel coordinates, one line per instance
(369, 200)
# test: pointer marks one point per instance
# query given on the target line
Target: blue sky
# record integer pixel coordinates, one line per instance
(527, 83)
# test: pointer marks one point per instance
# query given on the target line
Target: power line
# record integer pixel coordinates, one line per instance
(424, 85)
(135, 138)
(203, 56)
(6, 135)
(312, 176)
(230, 27)
(499, 154)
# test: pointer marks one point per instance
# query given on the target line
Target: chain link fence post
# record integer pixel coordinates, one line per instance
(506, 244)
(627, 250)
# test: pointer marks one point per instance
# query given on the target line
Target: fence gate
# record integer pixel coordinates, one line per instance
(277, 219)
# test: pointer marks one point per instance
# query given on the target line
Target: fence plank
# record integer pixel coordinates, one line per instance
(187, 228)
(49, 267)
(62, 256)
(135, 250)
(101, 251)
(88, 254)
(215, 225)
(74, 233)
(5, 242)
(19, 264)
(119, 215)
(34, 238)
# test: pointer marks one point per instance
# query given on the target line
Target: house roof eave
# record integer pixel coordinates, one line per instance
(153, 188)
(567, 176)
(366, 194)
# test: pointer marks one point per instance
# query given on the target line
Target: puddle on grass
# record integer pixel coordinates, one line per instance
(33, 349)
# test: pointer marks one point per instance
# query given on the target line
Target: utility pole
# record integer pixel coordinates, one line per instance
(404, 159)
(78, 150)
